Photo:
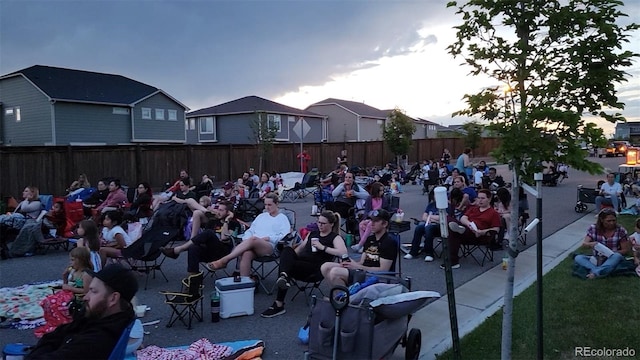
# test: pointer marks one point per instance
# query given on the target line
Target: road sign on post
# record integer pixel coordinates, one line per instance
(301, 128)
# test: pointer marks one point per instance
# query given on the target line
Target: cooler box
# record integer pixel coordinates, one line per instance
(236, 298)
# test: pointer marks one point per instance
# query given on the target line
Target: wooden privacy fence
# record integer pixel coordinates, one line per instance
(53, 168)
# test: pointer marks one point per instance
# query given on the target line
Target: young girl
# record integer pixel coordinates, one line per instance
(56, 219)
(376, 201)
(76, 282)
(88, 230)
(113, 238)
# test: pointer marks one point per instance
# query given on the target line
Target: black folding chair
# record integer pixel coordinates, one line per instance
(308, 285)
(185, 303)
(143, 254)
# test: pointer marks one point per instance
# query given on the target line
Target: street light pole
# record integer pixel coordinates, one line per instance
(538, 178)
(442, 204)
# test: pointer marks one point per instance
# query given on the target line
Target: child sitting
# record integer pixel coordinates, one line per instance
(56, 219)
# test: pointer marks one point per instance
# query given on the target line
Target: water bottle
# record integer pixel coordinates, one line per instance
(215, 306)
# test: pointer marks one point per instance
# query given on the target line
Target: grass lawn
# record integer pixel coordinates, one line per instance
(601, 313)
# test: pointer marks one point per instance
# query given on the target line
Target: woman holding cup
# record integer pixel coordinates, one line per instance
(305, 260)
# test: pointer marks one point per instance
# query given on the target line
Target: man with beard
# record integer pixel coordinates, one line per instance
(108, 312)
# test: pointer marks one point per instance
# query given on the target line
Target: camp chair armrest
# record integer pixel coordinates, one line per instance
(41, 216)
(171, 293)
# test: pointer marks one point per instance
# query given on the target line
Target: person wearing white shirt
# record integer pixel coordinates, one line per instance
(260, 239)
(609, 194)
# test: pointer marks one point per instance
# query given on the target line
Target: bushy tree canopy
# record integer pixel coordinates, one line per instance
(398, 131)
(556, 62)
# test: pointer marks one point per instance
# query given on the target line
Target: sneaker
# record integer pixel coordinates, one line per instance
(283, 281)
(453, 266)
(357, 248)
(455, 227)
(273, 311)
(168, 252)
(428, 258)
(408, 257)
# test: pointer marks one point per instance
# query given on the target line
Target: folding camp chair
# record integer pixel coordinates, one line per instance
(249, 208)
(185, 302)
(143, 254)
(308, 285)
(485, 248)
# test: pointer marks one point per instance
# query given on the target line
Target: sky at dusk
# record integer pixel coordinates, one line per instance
(384, 53)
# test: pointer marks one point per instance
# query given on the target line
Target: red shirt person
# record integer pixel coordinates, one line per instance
(474, 226)
(304, 159)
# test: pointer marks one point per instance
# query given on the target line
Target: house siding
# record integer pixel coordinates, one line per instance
(34, 127)
(89, 123)
(370, 129)
(159, 130)
(315, 130)
(341, 123)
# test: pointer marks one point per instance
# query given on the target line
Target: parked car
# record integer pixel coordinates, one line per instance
(616, 148)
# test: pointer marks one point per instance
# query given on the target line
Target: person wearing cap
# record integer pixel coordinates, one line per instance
(107, 313)
(380, 251)
(213, 243)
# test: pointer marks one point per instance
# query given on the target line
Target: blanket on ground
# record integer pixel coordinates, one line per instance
(20, 305)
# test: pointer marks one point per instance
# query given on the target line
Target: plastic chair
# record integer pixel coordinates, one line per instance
(185, 302)
(119, 351)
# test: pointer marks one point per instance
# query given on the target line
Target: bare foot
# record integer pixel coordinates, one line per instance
(591, 276)
(217, 265)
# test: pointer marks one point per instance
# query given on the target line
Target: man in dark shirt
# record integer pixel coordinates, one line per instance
(380, 251)
(108, 312)
(208, 246)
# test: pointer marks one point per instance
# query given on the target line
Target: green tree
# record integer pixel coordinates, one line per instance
(263, 134)
(397, 133)
(556, 61)
(473, 138)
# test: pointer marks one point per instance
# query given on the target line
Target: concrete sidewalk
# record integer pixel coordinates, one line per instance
(483, 296)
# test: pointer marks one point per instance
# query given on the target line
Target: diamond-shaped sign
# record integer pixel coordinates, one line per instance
(301, 128)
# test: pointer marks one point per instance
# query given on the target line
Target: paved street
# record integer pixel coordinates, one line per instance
(280, 333)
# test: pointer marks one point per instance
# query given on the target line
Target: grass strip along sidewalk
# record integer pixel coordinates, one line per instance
(581, 317)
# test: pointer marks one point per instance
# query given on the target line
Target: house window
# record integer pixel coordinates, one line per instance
(146, 113)
(173, 115)
(121, 111)
(192, 124)
(8, 112)
(186, 124)
(206, 125)
(274, 121)
(159, 114)
(18, 115)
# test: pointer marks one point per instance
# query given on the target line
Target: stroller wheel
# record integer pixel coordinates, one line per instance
(414, 342)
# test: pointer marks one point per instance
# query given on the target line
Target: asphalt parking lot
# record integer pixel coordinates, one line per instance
(280, 333)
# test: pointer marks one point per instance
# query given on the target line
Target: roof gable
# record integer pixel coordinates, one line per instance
(356, 107)
(85, 86)
(251, 104)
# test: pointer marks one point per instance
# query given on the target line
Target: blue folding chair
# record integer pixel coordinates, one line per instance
(119, 351)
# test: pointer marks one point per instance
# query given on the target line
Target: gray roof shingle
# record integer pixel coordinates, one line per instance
(251, 104)
(356, 107)
(85, 86)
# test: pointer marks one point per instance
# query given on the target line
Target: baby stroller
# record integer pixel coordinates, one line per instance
(413, 174)
(367, 325)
